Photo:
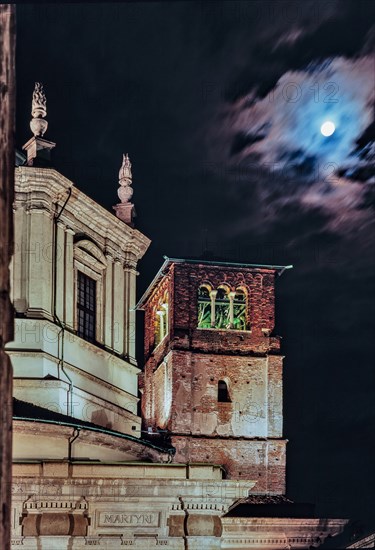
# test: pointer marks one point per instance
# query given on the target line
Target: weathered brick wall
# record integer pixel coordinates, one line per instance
(182, 282)
(7, 106)
(259, 284)
(164, 286)
(195, 406)
(260, 461)
(206, 430)
(153, 355)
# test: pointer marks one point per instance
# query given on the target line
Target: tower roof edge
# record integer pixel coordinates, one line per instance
(169, 261)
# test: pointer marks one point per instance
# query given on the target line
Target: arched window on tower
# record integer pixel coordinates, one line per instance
(222, 308)
(164, 308)
(157, 326)
(204, 307)
(239, 310)
(222, 392)
(161, 320)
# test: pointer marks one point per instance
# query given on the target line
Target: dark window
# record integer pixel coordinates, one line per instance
(86, 307)
(222, 392)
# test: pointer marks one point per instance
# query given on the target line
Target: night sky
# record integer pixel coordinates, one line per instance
(219, 106)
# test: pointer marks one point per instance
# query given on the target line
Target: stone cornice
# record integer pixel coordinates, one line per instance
(279, 522)
(42, 189)
(364, 542)
(261, 532)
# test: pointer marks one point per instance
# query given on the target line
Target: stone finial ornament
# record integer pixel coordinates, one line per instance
(38, 149)
(125, 209)
(38, 110)
(125, 192)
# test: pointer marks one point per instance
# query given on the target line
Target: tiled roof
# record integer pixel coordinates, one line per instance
(267, 499)
(30, 412)
(33, 412)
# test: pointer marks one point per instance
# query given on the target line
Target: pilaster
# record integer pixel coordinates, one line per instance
(69, 278)
(60, 270)
(40, 252)
(109, 332)
(118, 306)
(130, 275)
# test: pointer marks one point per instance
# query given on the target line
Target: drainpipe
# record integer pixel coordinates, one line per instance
(75, 436)
(185, 535)
(55, 316)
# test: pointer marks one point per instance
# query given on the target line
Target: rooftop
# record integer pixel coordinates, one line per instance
(198, 261)
(28, 412)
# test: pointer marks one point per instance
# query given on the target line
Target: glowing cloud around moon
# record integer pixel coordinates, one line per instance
(327, 128)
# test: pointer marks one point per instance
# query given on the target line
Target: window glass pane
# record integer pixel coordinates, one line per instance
(86, 307)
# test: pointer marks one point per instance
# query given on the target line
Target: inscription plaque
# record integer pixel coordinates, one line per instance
(128, 519)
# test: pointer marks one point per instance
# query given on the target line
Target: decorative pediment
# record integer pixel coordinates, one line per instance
(90, 254)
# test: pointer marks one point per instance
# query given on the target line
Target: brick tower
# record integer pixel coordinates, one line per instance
(213, 369)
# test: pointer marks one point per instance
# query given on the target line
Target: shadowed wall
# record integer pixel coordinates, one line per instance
(7, 102)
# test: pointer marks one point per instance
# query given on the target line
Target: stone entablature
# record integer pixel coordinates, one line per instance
(277, 533)
(60, 505)
(127, 505)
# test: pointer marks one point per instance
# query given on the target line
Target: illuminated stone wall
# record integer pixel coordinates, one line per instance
(60, 232)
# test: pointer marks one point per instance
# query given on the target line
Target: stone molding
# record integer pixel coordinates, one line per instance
(42, 188)
(365, 542)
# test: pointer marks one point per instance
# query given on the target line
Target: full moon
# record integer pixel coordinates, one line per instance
(327, 128)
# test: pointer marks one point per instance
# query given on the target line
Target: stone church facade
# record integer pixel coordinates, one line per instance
(187, 453)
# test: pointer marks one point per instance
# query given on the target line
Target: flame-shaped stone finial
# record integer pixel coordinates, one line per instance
(38, 149)
(39, 110)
